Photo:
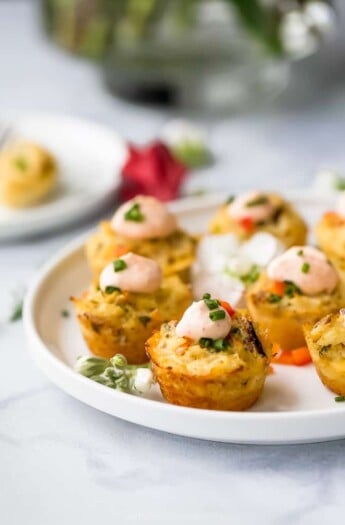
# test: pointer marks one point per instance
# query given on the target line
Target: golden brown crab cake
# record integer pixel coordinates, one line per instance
(174, 253)
(116, 321)
(279, 310)
(193, 375)
(326, 344)
(255, 212)
(330, 235)
(27, 174)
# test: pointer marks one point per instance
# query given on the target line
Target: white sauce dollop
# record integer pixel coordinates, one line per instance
(305, 266)
(196, 323)
(141, 275)
(156, 220)
(244, 207)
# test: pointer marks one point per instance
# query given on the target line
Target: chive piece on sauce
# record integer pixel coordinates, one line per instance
(217, 315)
(259, 201)
(119, 265)
(134, 214)
(305, 267)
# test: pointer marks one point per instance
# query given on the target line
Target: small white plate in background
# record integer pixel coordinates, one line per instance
(89, 156)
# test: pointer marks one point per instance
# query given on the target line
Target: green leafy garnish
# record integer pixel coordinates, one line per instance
(217, 315)
(111, 289)
(274, 298)
(65, 313)
(21, 163)
(192, 154)
(300, 253)
(134, 214)
(115, 373)
(339, 399)
(119, 265)
(262, 199)
(305, 267)
(291, 289)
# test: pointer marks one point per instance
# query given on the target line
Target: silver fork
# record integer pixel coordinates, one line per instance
(6, 133)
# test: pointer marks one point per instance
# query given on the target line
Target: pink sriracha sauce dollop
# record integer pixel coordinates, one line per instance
(305, 266)
(132, 273)
(196, 323)
(254, 205)
(144, 218)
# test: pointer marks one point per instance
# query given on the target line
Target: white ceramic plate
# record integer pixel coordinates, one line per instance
(295, 407)
(89, 158)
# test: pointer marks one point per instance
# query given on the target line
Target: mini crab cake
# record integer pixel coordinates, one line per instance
(299, 287)
(326, 344)
(130, 302)
(210, 359)
(144, 226)
(330, 235)
(27, 174)
(256, 211)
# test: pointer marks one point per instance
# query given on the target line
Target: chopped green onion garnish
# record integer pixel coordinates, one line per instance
(230, 199)
(119, 265)
(64, 313)
(211, 304)
(134, 214)
(205, 342)
(217, 315)
(305, 267)
(339, 399)
(111, 289)
(291, 289)
(216, 345)
(257, 202)
(220, 344)
(300, 253)
(274, 298)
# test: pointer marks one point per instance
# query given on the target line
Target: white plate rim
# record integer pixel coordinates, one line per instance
(178, 420)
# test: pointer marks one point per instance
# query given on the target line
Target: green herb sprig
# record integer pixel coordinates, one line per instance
(114, 373)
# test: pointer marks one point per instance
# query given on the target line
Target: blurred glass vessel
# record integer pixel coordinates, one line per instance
(194, 53)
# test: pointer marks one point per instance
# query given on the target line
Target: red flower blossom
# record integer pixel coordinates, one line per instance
(151, 170)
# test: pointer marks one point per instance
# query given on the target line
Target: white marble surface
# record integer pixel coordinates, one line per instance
(63, 462)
